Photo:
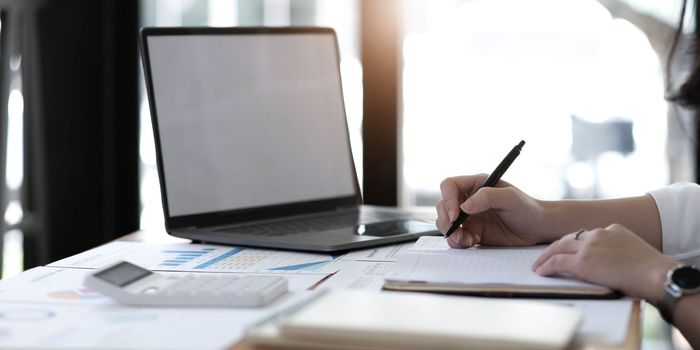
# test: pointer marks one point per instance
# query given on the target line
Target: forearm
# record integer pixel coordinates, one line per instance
(687, 319)
(639, 214)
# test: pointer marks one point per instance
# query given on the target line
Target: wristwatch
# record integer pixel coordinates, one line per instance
(680, 280)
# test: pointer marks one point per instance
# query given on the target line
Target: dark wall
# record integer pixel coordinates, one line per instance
(696, 39)
(80, 85)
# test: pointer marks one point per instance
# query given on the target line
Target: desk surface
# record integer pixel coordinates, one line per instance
(634, 334)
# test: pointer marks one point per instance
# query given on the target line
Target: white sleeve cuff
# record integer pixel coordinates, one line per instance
(679, 211)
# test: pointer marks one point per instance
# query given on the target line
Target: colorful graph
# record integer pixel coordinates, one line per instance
(244, 259)
(181, 257)
(309, 266)
(301, 267)
(223, 258)
(237, 259)
(76, 294)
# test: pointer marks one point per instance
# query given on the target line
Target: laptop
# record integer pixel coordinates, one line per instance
(252, 141)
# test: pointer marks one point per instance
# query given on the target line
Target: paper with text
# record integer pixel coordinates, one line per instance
(36, 325)
(430, 262)
(203, 258)
(388, 253)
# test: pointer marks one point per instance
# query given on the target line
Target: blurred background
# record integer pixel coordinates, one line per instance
(433, 88)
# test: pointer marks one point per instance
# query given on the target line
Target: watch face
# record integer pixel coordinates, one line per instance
(686, 277)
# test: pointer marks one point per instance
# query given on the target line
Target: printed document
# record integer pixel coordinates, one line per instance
(433, 262)
(203, 258)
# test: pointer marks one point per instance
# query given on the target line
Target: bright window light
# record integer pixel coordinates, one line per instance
(481, 76)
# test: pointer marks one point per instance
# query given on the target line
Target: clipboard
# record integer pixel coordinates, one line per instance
(505, 291)
(432, 266)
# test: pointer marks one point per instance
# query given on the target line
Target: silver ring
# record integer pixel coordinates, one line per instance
(578, 233)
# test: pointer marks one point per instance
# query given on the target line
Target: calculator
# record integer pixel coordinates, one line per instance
(130, 284)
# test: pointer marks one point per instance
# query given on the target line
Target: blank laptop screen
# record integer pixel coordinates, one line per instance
(249, 120)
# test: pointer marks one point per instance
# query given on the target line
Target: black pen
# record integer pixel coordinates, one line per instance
(490, 181)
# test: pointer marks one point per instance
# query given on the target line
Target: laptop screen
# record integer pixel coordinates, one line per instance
(249, 120)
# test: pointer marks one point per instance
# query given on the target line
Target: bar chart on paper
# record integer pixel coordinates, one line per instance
(246, 260)
(203, 258)
(183, 256)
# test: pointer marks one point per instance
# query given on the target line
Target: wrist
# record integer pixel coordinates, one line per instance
(656, 280)
(556, 219)
(543, 220)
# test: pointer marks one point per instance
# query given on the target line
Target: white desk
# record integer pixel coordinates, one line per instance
(354, 273)
(634, 334)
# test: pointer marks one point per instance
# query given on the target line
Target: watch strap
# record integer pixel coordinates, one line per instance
(668, 304)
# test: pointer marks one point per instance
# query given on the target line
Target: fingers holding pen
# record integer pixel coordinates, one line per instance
(443, 221)
(461, 238)
(456, 189)
(488, 198)
(480, 201)
(452, 197)
(465, 194)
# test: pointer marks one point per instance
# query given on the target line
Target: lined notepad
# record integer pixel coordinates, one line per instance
(431, 265)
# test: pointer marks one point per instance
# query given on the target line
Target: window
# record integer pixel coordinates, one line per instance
(14, 173)
(584, 90)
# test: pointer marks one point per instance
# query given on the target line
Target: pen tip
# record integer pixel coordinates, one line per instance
(521, 144)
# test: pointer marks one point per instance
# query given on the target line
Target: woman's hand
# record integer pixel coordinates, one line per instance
(501, 215)
(614, 257)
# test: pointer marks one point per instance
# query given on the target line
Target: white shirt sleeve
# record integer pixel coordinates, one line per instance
(679, 210)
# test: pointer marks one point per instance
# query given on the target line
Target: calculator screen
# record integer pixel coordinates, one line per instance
(123, 274)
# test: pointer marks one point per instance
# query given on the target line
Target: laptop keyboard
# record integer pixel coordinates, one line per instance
(301, 225)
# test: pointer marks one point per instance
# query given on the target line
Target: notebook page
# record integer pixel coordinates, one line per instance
(432, 261)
